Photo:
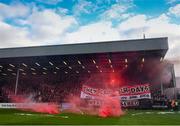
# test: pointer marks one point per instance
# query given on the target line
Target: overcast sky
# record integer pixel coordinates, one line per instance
(46, 22)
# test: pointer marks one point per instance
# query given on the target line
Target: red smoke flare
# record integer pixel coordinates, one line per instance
(111, 106)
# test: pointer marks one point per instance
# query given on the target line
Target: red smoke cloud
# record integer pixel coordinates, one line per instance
(110, 107)
(30, 105)
(102, 105)
(107, 106)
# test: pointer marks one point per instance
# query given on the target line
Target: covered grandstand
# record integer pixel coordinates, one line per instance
(52, 72)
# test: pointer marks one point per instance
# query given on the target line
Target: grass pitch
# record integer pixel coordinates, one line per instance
(132, 117)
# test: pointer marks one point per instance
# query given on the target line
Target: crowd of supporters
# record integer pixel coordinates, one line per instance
(41, 91)
(54, 92)
(157, 95)
(60, 91)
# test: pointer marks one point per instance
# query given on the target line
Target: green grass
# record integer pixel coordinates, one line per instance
(132, 117)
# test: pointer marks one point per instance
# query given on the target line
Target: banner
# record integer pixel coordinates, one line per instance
(125, 93)
(130, 103)
(125, 104)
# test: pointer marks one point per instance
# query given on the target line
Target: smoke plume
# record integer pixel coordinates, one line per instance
(28, 104)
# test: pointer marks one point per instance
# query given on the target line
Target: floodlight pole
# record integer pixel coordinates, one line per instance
(173, 81)
(17, 81)
(162, 88)
(161, 84)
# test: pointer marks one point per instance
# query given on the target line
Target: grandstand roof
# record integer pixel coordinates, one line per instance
(87, 48)
(80, 58)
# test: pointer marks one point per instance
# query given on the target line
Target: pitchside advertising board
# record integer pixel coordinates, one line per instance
(129, 95)
(19, 105)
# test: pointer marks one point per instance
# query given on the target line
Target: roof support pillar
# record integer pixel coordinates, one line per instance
(17, 81)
